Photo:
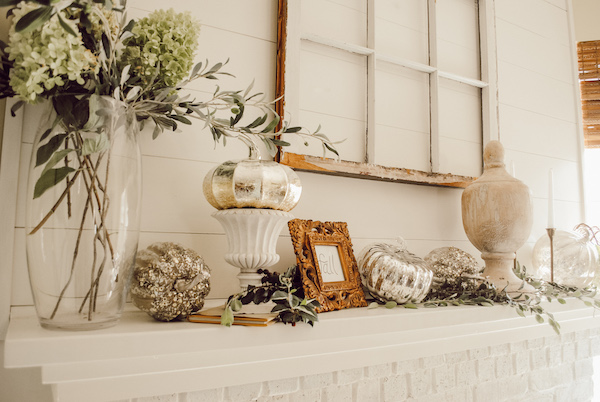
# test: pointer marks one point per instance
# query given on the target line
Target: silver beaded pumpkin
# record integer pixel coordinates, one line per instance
(391, 273)
(169, 281)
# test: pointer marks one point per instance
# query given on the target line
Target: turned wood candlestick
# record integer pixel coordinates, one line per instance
(497, 218)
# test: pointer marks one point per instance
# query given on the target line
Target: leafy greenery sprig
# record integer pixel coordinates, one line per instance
(114, 44)
(285, 290)
(486, 294)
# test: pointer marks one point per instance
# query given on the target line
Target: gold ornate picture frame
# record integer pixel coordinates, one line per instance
(327, 264)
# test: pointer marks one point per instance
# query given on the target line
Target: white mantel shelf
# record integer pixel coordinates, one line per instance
(142, 357)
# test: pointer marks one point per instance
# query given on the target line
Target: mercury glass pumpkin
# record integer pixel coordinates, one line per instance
(252, 183)
(576, 258)
(391, 273)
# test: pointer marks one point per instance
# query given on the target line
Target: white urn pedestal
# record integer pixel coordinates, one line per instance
(252, 235)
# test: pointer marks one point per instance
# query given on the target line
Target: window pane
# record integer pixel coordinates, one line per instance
(401, 29)
(333, 94)
(460, 125)
(402, 117)
(458, 37)
(326, 17)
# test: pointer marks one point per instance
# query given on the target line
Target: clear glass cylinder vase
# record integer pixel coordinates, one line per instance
(83, 213)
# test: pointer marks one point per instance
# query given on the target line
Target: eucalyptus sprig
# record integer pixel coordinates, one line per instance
(282, 289)
(122, 64)
(223, 114)
(478, 292)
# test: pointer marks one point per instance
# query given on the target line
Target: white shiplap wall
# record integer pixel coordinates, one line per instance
(537, 123)
(538, 107)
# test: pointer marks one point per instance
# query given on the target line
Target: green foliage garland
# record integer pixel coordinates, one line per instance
(483, 293)
(285, 290)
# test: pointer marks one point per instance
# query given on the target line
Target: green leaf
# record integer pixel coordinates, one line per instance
(45, 134)
(292, 129)
(65, 26)
(34, 19)
(227, 317)
(45, 151)
(130, 26)
(280, 143)
(539, 318)
(7, 3)
(259, 121)
(279, 295)
(391, 304)
(410, 305)
(555, 326)
(261, 295)
(49, 179)
(236, 305)
(106, 44)
(57, 157)
(271, 126)
(181, 119)
(330, 148)
(373, 305)
(520, 312)
(93, 145)
(74, 112)
(561, 301)
(15, 107)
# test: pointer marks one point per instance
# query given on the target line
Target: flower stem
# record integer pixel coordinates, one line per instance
(75, 253)
(56, 204)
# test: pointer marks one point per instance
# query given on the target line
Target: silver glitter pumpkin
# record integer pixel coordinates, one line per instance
(453, 266)
(169, 281)
(252, 183)
(391, 273)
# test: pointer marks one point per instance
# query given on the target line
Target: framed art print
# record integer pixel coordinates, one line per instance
(327, 264)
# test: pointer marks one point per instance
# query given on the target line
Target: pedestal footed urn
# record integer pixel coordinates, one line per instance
(253, 198)
(497, 218)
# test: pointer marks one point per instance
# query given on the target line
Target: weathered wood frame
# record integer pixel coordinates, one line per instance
(288, 26)
(305, 235)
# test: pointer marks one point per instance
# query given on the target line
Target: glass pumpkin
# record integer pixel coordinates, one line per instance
(391, 273)
(252, 183)
(576, 258)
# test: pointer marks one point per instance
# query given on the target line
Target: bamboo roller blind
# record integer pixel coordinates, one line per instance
(588, 54)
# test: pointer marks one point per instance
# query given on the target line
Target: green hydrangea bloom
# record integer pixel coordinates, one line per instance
(47, 57)
(164, 42)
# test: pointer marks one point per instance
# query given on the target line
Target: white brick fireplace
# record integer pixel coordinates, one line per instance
(445, 354)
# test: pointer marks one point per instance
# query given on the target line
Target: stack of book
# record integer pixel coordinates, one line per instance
(249, 317)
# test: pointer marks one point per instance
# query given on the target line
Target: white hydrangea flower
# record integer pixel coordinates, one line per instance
(46, 58)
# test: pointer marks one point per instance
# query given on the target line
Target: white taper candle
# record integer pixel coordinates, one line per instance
(550, 199)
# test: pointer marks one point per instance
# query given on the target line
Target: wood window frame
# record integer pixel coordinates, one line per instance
(288, 27)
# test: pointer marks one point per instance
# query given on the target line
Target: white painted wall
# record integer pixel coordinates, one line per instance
(539, 115)
(586, 14)
(538, 124)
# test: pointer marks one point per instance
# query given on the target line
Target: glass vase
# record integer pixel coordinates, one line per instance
(83, 214)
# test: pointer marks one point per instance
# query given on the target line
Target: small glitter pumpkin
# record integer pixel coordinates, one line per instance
(169, 281)
(453, 266)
